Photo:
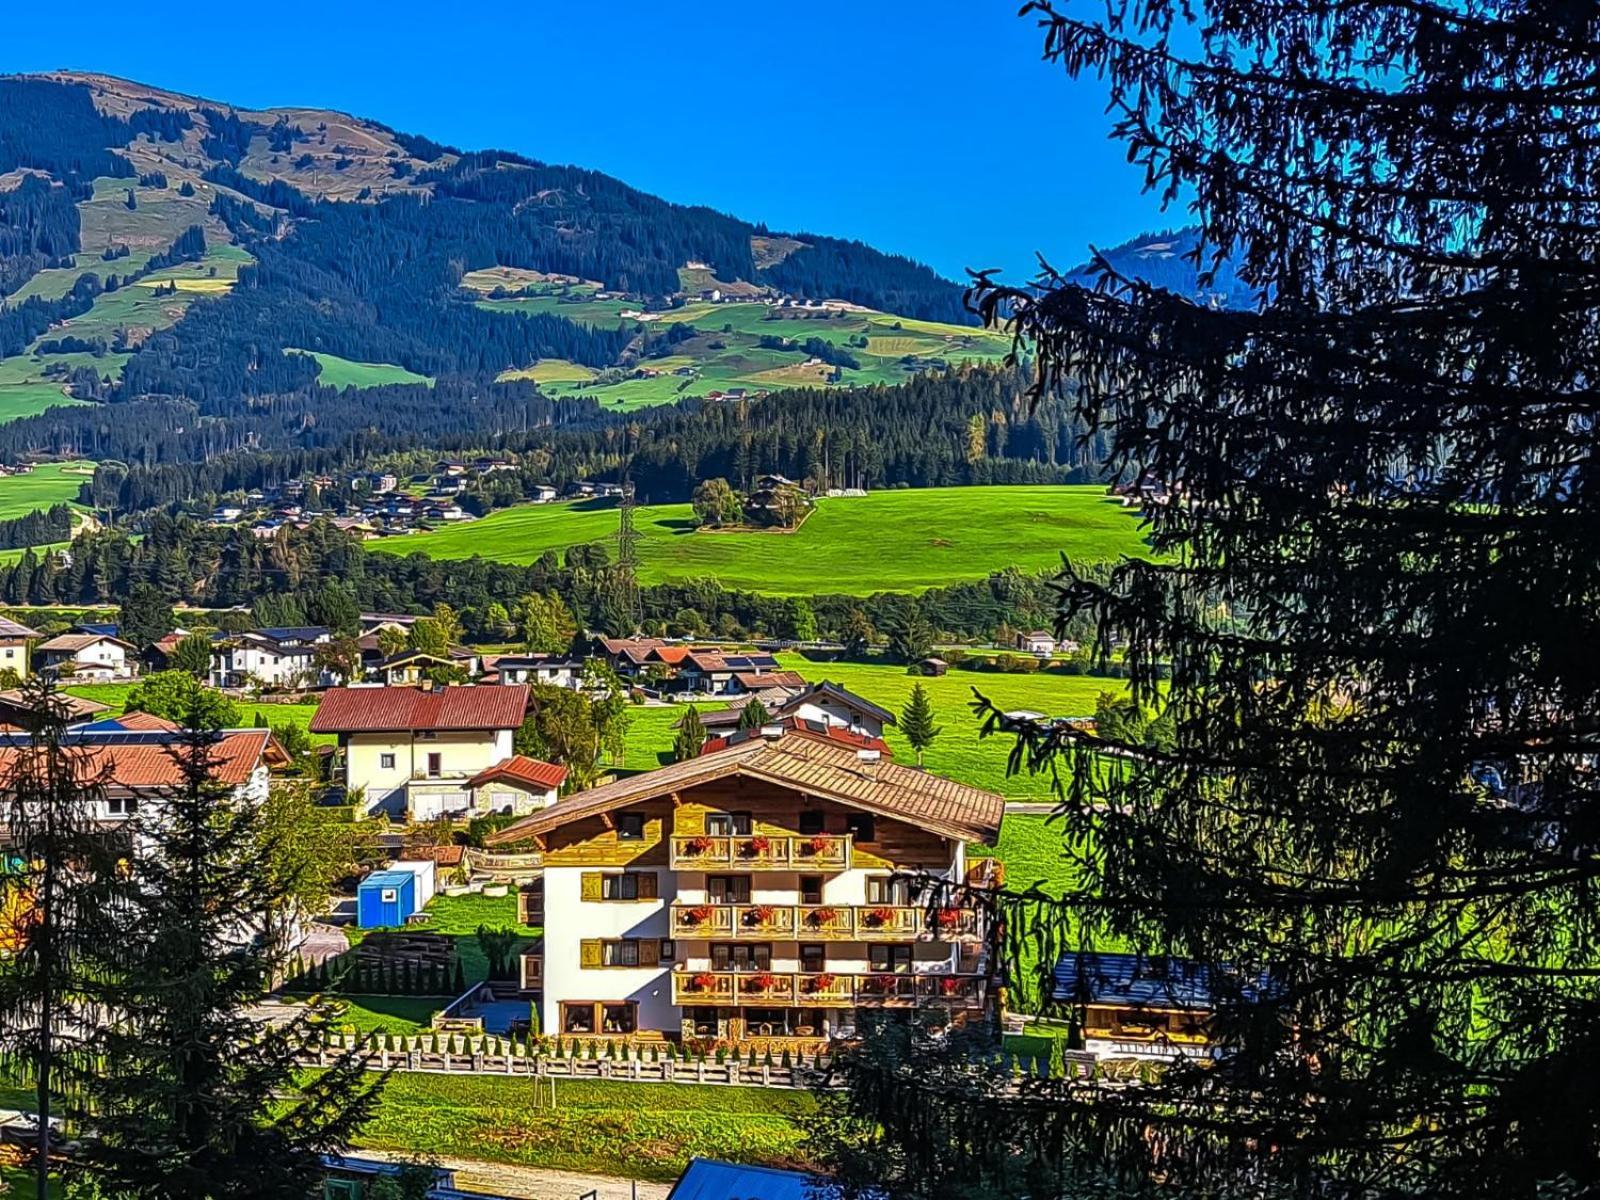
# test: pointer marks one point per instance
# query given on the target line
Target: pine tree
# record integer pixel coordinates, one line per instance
(691, 736)
(187, 1097)
(69, 894)
(1373, 833)
(753, 715)
(916, 721)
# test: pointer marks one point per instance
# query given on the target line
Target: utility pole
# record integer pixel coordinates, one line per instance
(627, 576)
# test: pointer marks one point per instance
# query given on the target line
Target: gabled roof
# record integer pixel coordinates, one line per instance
(1144, 981)
(816, 766)
(293, 633)
(15, 629)
(833, 691)
(406, 656)
(815, 729)
(71, 643)
(398, 709)
(707, 1179)
(73, 708)
(150, 759)
(760, 680)
(519, 768)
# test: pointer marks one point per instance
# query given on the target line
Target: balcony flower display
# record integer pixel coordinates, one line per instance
(700, 914)
(820, 844)
(947, 918)
(821, 983)
(759, 914)
(761, 981)
(951, 986)
(878, 985)
(703, 982)
(822, 916)
(701, 844)
(882, 915)
(757, 846)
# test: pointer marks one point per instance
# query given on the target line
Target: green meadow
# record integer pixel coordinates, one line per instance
(48, 484)
(896, 541)
(343, 373)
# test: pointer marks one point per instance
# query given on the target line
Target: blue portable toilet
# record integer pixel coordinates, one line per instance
(386, 898)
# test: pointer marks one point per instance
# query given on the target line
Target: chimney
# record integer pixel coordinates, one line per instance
(868, 760)
(772, 732)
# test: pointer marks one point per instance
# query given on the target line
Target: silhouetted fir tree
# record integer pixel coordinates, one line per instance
(1375, 828)
(691, 736)
(753, 715)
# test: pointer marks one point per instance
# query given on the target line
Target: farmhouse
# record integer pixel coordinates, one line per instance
(14, 639)
(825, 703)
(412, 752)
(273, 658)
(1039, 641)
(554, 670)
(770, 887)
(84, 656)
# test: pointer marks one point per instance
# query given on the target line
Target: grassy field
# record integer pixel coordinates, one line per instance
(116, 695)
(48, 484)
(726, 351)
(343, 373)
(924, 537)
(642, 1131)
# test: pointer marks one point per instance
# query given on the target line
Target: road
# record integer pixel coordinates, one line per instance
(536, 1183)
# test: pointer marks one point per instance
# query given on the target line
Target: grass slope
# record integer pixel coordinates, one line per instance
(888, 541)
(635, 1130)
(48, 484)
(343, 373)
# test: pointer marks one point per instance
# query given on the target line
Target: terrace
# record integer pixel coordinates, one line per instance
(824, 922)
(827, 990)
(762, 852)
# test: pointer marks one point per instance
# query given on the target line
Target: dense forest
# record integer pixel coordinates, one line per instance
(39, 227)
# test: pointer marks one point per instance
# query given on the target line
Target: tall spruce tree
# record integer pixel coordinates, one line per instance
(691, 736)
(753, 715)
(1375, 826)
(194, 1096)
(62, 888)
(916, 721)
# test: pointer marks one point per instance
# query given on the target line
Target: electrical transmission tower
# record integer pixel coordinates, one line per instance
(628, 599)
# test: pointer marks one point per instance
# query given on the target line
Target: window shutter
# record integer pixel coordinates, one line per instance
(647, 885)
(649, 952)
(589, 886)
(589, 953)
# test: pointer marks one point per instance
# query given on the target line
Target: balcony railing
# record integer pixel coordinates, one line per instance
(824, 922)
(825, 990)
(761, 852)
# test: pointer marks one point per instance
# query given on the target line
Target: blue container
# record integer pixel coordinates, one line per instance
(386, 898)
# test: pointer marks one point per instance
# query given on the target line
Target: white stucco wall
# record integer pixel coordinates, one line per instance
(569, 920)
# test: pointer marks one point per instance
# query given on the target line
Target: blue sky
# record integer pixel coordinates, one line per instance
(932, 130)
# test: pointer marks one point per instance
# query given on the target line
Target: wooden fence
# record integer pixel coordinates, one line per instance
(501, 1056)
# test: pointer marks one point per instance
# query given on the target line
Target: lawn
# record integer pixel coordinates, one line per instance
(342, 373)
(48, 484)
(898, 541)
(634, 1130)
(1034, 850)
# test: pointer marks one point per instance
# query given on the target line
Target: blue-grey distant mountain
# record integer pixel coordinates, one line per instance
(1164, 260)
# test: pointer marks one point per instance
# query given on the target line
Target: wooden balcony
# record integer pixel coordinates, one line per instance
(761, 852)
(823, 922)
(825, 990)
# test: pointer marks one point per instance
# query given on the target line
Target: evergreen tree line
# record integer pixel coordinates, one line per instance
(55, 127)
(352, 975)
(39, 227)
(37, 528)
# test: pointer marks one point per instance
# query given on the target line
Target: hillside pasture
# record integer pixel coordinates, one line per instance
(344, 373)
(899, 541)
(46, 485)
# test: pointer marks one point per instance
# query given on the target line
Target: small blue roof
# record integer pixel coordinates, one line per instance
(106, 628)
(294, 633)
(707, 1179)
(388, 879)
(1141, 981)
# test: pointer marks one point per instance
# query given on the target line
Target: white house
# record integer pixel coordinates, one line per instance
(773, 886)
(519, 785)
(414, 751)
(834, 705)
(1038, 641)
(97, 656)
(547, 669)
(273, 658)
(14, 639)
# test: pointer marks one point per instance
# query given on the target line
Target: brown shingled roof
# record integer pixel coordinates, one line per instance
(519, 768)
(392, 709)
(817, 767)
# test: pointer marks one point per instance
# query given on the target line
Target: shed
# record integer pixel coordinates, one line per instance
(386, 898)
(425, 869)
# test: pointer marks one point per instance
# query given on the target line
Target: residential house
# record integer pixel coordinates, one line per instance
(1142, 1005)
(775, 886)
(555, 670)
(542, 494)
(411, 752)
(269, 658)
(518, 785)
(14, 640)
(101, 657)
(824, 703)
(17, 710)
(409, 668)
(1039, 641)
(713, 671)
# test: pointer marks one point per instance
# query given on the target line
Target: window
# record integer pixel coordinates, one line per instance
(122, 806)
(741, 956)
(812, 959)
(728, 824)
(577, 1018)
(860, 827)
(884, 889)
(386, 762)
(620, 954)
(621, 1017)
(630, 827)
(811, 889)
(598, 953)
(624, 885)
(668, 950)
(728, 889)
(435, 765)
(892, 959)
(811, 821)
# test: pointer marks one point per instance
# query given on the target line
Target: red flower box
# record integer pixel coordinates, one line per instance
(701, 844)
(822, 916)
(761, 981)
(757, 846)
(699, 914)
(821, 983)
(702, 983)
(880, 916)
(947, 918)
(880, 985)
(951, 986)
(820, 844)
(760, 914)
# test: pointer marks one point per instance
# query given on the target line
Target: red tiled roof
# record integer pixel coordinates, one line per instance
(673, 655)
(519, 768)
(150, 765)
(811, 729)
(144, 720)
(386, 709)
